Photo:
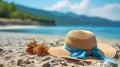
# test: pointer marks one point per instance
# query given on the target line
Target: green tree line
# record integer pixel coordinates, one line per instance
(9, 10)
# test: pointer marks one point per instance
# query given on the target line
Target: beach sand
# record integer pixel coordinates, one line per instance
(13, 45)
(17, 27)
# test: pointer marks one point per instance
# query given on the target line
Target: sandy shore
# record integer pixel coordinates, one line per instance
(17, 27)
(12, 51)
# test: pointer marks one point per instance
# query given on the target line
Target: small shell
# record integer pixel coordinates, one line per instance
(41, 50)
(29, 50)
(31, 45)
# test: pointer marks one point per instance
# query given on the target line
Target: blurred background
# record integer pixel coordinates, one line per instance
(57, 17)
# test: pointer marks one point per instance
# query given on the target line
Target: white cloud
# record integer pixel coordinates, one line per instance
(59, 6)
(80, 8)
(66, 5)
(110, 11)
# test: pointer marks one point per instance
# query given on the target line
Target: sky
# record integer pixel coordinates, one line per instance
(109, 9)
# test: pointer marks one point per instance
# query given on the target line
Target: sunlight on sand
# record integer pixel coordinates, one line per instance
(17, 27)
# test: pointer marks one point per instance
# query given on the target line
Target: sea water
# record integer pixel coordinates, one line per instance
(112, 32)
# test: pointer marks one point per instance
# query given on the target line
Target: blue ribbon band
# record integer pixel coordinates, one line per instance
(82, 54)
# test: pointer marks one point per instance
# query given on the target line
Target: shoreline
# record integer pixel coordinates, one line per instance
(18, 26)
(13, 45)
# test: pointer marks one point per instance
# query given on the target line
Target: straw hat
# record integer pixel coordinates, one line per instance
(84, 40)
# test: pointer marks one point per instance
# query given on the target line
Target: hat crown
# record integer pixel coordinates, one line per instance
(82, 39)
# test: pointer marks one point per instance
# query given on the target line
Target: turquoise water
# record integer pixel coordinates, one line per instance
(111, 32)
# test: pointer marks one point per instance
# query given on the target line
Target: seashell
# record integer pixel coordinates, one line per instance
(41, 50)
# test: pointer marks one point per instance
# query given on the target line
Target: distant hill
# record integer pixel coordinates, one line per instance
(69, 18)
(9, 11)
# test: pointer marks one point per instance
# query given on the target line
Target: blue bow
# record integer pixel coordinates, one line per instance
(94, 52)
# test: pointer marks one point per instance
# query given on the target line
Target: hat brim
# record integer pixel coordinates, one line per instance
(105, 49)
